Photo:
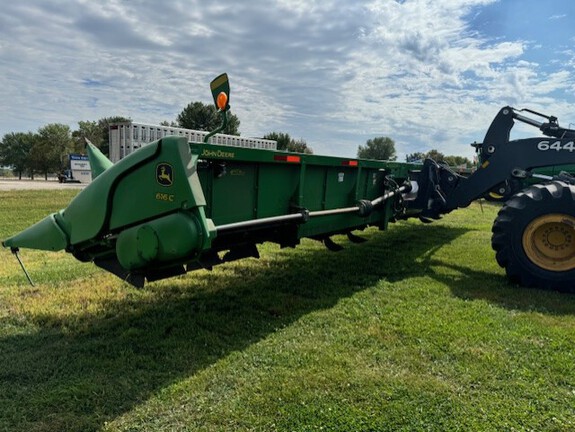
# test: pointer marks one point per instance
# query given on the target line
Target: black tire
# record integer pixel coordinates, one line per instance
(534, 237)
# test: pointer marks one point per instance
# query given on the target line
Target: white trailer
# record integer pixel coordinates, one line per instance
(126, 137)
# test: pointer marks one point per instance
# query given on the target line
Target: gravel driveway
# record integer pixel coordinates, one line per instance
(15, 184)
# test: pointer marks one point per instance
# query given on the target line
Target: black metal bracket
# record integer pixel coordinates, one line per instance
(15, 251)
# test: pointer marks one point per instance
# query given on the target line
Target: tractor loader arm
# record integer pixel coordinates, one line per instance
(503, 164)
(534, 232)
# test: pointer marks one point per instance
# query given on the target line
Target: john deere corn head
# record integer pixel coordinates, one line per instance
(174, 206)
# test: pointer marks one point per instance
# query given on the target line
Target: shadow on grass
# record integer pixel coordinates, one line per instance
(78, 374)
(479, 285)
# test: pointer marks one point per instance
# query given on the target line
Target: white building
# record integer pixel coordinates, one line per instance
(127, 137)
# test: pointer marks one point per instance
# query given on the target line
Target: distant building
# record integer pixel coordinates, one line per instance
(127, 137)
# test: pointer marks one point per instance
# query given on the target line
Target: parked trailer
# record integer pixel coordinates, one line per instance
(199, 204)
(127, 137)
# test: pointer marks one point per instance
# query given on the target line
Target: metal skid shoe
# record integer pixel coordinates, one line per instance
(331, 245)
(355, 239)
(328, 243)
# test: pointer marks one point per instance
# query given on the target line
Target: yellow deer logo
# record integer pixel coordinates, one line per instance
(164, 174)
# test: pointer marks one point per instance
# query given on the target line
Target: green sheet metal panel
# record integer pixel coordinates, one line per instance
(234, 194)
(370, 183)
(277, 188)
(92, 205)
(244, 191)
(162, 185)
(258, 184)
(340, 187)
(314, 184)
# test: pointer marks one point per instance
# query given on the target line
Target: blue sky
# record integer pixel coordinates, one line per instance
(427, 73)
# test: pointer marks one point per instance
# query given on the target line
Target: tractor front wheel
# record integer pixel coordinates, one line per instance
(534, 237)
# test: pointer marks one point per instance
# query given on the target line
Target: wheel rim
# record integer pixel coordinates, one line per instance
(549, 242)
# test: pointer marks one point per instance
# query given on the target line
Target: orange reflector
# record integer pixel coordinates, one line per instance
(287, 158)
(349, 163)
(222, 100)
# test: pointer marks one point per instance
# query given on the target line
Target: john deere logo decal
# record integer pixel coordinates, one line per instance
(164, 174)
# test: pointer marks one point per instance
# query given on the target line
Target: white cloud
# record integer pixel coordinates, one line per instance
(332, 72)
(557, 17)
(429, 75)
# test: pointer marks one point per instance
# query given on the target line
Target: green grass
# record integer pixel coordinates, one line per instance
(416, 329)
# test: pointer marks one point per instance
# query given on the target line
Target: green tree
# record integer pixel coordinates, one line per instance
(90, 130)
(15, 151)
(287, 143)
(456, 161)
(380, 148)
(436, 155)
(453, 161)
(299, 146)
(51, 148)
(415, 157)
(199, 116)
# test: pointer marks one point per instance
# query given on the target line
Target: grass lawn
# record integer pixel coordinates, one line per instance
(417, 329)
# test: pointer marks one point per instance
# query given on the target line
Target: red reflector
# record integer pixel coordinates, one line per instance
(287, 158)
(349, 163)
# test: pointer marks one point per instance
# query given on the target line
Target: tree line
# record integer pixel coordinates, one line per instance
(453, 161)
(383, 148)
(46, 151)
(199, 116)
